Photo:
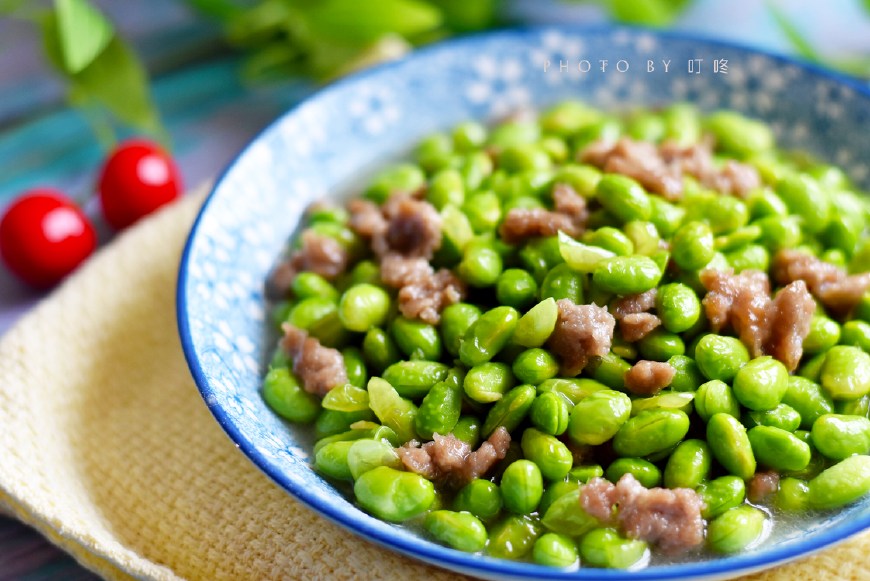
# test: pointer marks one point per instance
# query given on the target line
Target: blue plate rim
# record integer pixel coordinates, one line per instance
(430, 552)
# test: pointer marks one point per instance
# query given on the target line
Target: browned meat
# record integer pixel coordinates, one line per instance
(425, 298)
(320, 254)
(668, 518)
(762, 485)
(648, 377)
(788, 323)
(637, 326)
(767, 327)
(568, 202)
(320, 368)
(639, 160)
(569, 216)
(733, 178)
(366, 218)
(413, 228)
(398, 271)
(450, 461)
(280, 280)
(835, 289)
(582, 331)
(633, 304)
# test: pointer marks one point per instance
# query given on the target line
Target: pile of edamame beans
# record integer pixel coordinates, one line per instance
(724, 417)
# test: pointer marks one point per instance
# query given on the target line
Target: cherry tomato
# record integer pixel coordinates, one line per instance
(44, 237)
(138, 177)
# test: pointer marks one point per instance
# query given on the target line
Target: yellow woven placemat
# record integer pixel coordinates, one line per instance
(109, 451)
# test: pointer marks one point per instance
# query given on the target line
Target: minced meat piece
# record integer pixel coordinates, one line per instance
(761, 486)
(634, 304)
(648, 377)
(567, 201)
(366, 218)
(636, 326)
(788, 323)
(450, 461)
(836, 290)
(733, 178)
(639, 160)
(320, 368)
(413, 228)
(320, 254)
(280, 280)
(425, 298)
(398, 271)
(569, 216)
(582, 331)
(669, 518)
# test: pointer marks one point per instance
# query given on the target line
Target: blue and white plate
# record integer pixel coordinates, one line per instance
(329, 143)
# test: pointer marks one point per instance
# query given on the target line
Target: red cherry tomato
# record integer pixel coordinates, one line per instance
(138, 178)
(44, 237)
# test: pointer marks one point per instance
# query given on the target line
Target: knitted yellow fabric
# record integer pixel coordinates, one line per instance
(109, 451)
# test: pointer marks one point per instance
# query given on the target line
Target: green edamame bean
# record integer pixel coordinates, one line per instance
(309, 312)
(446, 188)
(566, 516)
(730, 445)
(824, 334)
(808, 399)
(650, 432)
(739, 135)
(439, 411)
(414, 379)
(379, 350)
(331, 460)
(610, 239)
(665, 400)
(647, 473)
(598, 417)
(481, 264)
(563, 282)
(761, 384)
(568, 117)
(571, 390)
(366, 271)
(689, 465)
(521, 487)
(738, 239)
(609, 370)
(488, 382)
(687, 376)
(721, 494)
(763, 203)
(456, 234)
(481, 498)
(513, 537)
(644, 236)
(455, 321)
(838, 436)
(845, 374)
(806, 199)
(678, 307)
(516, 288)
(510, 410)
(523, 157)
(782, 416)
(715, 397)
(693, 246)
(793, 495)
(623, 197)
(812, 369)
(555, 550)
(535, 327)
(393, 495)
(549, 413)
(488, 335)
(309, 284)
(357, 374)
(626, 275)
(554, 492)
(460, 530)
(584, 474)
(720, 357)
(392, 409)
(366, 454)
(363, 306)
(778, 232)
(346, 398)
(856, 333)
(854, 407)
(666, 216)
(779, 449)
(535, 365)
(416, 339)
(843, 483)
(682, 123)
(332, 422)
(468, 429)
(606, 548)
(283, 393)
(661, 345)
(552, 457)
(749, 257)
(736, 530)
(400, 178)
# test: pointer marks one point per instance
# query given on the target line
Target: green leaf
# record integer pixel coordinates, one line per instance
(223, 10)
(866, 4)
(84, 32)
(647, 12)
(353, 21)
(10, 7)
(465, 16)
(795, 37)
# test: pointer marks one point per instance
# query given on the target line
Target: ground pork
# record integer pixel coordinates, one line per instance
(398, 271)
(450, 461)
(320, 368)
(637, 326)
(366, 218)
(668, 518)
(639, 160)
(569, 216)
(648, 377)
(761, 486)
(775, 327)
(837, 290)
(582, 331)
(413, 228)
(634, 304)
(318, 253)
(733, 178)
(423, 293)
